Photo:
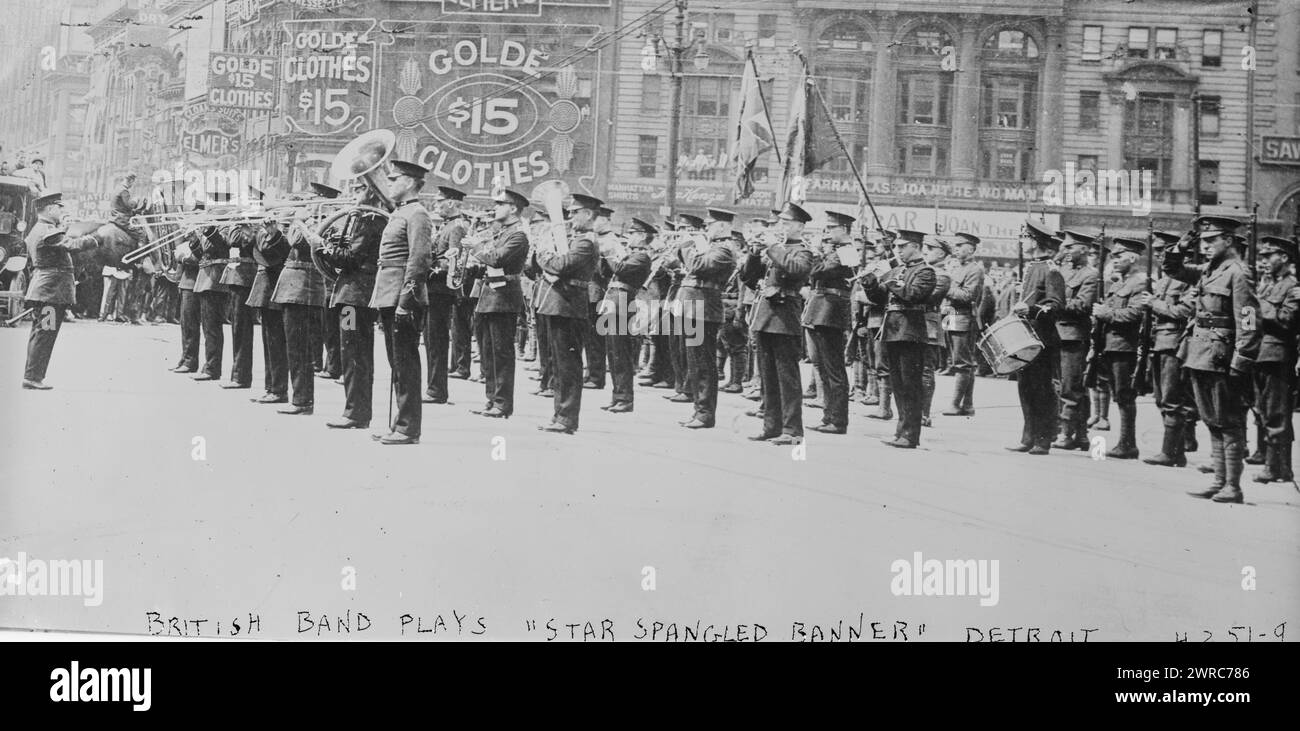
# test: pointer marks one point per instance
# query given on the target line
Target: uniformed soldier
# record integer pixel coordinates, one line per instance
(864, 366)
(935, 251)
(1170, 305)
(629, 274)
(827, 316)
(1274, 373)
(52, 288)
(706, 269)
(962, 322)
(356, 261)
(1039, 302)
(660, 373)
(687, 226)
(442, 299)
(1220, 349)
(401, 297)
(876, 320)
(733, 336)
(563, 307)
(213, 296)
(238, 276)
(501, 302)
(545, 367)
(270, 253)
(1074, 328)
(783, 269)
(594, 342)
(904, 291)
(187, 258)
(300, 293)
(326, 357)
(1120, 319)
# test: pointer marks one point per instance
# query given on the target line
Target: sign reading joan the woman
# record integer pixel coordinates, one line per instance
(478, 101)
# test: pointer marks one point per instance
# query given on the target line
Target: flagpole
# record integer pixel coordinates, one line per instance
(852, 165)
(767, 113)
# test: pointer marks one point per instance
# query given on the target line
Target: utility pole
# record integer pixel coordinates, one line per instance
(675, 114)
(1250, 106)
(1196, 153)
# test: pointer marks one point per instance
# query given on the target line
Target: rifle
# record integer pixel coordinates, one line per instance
(1093, 367)
(1142, 376)
(1252, 254)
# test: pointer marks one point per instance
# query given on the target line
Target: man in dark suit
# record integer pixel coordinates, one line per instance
(828, 315)
(442, 299)
(270, 253)
(1039, 302)
(562, 305)
(904, 292)
(706, 271)
(501, 302)
(401, 297)
(620, 310)
(1074, 327)
(783, 269)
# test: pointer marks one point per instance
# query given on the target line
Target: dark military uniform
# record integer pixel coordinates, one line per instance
(188, 260)
(661, 362)
(1274, 373)
(934, 340)
(404, 262)
(827, 316)
(594, 341)
(270, 253)
(1044, 293)
(300, 291)
(51, 291)
(1171, 305)
(562, 306)
(628, 277)
(706, 273)
(238, 280)
(963, 327)
(357, 261)
(776, 321)
(1220, 349)
(214, 299)
(904, 292)
(442, 305)
(1074, 328)
(500, 303)
(1121, 327)
(875, 319)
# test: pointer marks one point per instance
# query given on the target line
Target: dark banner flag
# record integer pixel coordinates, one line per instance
(810, 142)
(754, 135)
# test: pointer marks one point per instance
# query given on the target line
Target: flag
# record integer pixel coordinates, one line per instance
(810, 142)
(754, 135)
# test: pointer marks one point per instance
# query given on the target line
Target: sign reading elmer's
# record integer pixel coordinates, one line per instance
(479, 102)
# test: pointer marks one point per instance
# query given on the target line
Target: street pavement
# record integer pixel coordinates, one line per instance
(203, 506)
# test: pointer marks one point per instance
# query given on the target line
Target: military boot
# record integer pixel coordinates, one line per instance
(1271, 466)
(872, 396)
(1259, 455)
(1216, 462)
(1234, 447)
(885, 410)
(1189, 437)
(1103, 410)
(1127, 446)
(1171, 450)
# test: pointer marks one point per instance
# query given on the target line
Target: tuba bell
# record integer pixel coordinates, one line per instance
(364, 158)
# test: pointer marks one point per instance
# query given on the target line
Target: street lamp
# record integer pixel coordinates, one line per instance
(649, 62)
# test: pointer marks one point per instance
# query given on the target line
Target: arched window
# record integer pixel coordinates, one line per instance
(926, 40)
(844, 37)
(843, 74)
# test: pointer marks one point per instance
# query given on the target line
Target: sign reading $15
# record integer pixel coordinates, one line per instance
(328, 72)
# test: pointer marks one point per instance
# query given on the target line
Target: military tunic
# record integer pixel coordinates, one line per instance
(51, 290)
(783, 270)
(904, 292)
(620, 305)
(500, 302)
(707, 271)
(562, 304)
(828, 314)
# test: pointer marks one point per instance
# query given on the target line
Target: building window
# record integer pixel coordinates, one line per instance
(1004, 162)
(767, 31)
(839, 165)
(1166, 44)
(1011, 44)
(724, 25)
(1088, 163)
(1212, 48)
(924, 99)
(926, 40)
(651, 93)
(1209, 191)
(923, 157)
(706, 96)
(1138, 40)
(1148, 136)
(847, 97)
(701, 158)
(1008, 102)
(1089, 110)
(648, 156)
(1209, 116)
(1092, 43)
(844, 37)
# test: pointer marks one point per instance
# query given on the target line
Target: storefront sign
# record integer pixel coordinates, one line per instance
(241, 81)
(1280, 151)
(327, 72)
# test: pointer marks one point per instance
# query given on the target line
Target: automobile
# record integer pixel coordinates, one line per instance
(17, 215)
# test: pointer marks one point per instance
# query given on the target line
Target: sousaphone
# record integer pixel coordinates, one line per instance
(365, 158)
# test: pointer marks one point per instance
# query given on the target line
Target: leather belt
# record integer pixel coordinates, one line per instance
(1222, 322)
(832, 290)
(392, 265)
(904, 308)
(299, 265)
(367, 269)
(575, 282)
(504, 278)
(699, 283)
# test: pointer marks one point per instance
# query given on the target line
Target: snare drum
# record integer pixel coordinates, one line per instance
(1009, 345)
